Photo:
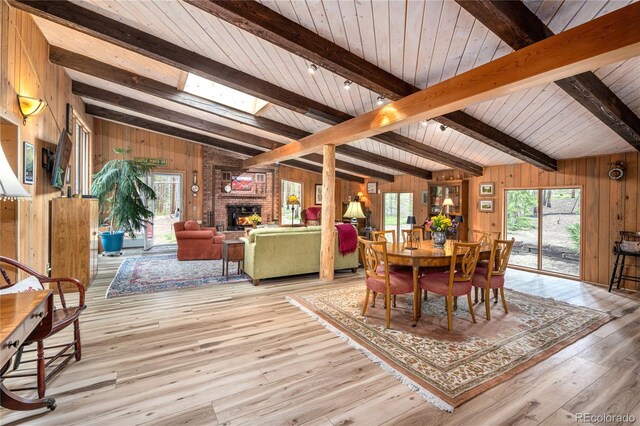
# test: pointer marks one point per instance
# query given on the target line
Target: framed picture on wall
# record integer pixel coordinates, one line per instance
(318, 193)
(486, 206)
(29, 154)
(425, 197)
(372, 187)
(486, 189)
(69, 122)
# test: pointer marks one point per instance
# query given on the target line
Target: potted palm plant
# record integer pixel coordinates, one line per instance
(120, 188)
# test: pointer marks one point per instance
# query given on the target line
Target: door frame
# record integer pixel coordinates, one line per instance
(182, 187)
(539, 270)
(382, 215)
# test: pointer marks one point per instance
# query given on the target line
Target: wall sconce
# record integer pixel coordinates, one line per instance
(30, 107)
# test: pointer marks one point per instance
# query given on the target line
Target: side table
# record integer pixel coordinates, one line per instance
(232, 251)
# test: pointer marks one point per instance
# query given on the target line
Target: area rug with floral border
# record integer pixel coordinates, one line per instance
(153, 274)
(449, 368)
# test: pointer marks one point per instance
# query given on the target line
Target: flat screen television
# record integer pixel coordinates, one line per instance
(60, 163)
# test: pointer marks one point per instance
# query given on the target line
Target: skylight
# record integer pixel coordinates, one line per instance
(217, 92)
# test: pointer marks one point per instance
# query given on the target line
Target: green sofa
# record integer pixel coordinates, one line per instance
(280, 252)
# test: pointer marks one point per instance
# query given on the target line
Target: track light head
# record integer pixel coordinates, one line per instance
(424, 123)
(443, 127)
(380, 100)
(347, 84)
(312, 68)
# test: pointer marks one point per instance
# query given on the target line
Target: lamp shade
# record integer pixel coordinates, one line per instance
(10, 187)
(447, 202)
(354, 210)
(293, 199)
(30, 107)
(411, 220)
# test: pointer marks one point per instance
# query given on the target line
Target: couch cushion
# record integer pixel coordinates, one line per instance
(283, 230)
(191, 225)
(28, 284)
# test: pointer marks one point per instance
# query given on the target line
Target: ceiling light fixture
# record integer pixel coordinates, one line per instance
(347, 84)
(30, 107)
(312, 68)
(443, 127)
(380, 100)
(424, 123)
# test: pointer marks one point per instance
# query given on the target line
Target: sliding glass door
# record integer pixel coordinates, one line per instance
(546, 226)
(397, 207)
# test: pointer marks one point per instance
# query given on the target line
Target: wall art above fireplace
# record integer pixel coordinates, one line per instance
(247, 184)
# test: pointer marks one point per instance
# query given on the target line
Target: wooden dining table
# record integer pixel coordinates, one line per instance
(425, 255)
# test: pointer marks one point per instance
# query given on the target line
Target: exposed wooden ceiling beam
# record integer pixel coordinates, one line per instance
(87, 91)
(519, 27)
(154, 126)
(265, 23)
(137, 82)
(73, 16)
(610, 38)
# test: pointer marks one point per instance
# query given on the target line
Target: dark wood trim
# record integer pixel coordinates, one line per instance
(519, 27)
(101, 27)
(153, 126)
(87, 91)
(501, 141)
(137, 82)
(269, 25)
(277, 29)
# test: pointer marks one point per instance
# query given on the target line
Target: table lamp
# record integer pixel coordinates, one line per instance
(293, 202)
(10, 187)
(448, 202)
(411, 220)
(354, 211)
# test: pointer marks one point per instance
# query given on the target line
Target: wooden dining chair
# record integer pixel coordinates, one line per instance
(457, 281)
(492, 278)
(414, 234)
(379, 278)
(486, 237)
(389, 235)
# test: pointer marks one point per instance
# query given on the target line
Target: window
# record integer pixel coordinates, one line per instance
(397, 207)
(81, 171)
(546, 226)
(289, 215)
(217, 92)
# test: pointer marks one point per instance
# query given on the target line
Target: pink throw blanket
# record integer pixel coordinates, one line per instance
(347, 238)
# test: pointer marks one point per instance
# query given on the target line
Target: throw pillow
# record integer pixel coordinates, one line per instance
(191, 225)
(28, 284)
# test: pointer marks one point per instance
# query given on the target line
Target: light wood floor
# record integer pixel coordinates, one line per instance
(238, 354)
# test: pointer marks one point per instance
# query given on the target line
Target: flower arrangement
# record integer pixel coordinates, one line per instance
(440, 223)
(255, 219)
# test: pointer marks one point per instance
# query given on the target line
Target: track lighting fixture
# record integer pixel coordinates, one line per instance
(380, 100)
(443, 127)
(312, 68)
(347, 84)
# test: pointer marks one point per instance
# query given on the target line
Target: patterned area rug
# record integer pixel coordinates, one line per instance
(449, 368)
(152, 274)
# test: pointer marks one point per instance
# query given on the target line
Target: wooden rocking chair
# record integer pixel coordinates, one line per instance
(63, 316)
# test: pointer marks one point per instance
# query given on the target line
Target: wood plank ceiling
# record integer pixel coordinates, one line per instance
(421, 43)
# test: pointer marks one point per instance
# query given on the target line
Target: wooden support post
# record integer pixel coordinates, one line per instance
(328, 212)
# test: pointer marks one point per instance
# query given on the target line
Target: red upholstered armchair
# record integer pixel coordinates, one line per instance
(197, 243)
(311, 216)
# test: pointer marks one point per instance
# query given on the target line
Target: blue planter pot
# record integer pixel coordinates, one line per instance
(112, 242)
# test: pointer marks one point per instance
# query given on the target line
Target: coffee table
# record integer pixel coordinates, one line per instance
(232, 251)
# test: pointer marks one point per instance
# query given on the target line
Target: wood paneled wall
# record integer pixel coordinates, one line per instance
(182, 156)
(25, 70)
(344, 188)
(609, 206)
